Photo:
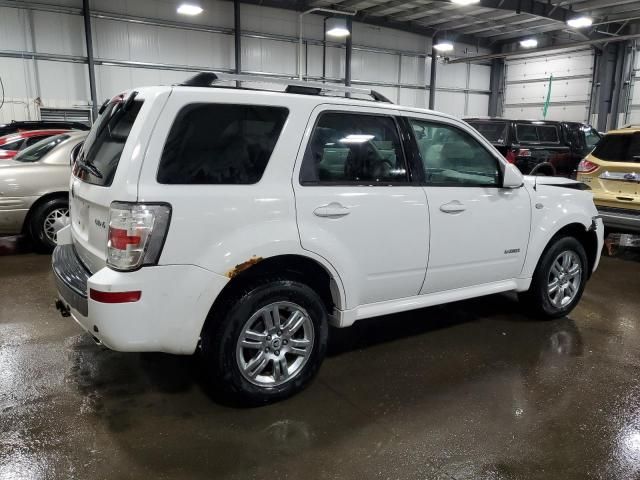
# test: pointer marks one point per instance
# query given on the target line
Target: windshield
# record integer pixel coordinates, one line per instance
(495, 132)
(38, 150)
(103, 147)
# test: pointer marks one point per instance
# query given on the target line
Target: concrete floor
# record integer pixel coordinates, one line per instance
(472, 390)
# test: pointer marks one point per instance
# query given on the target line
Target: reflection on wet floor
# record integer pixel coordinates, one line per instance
(470, 390)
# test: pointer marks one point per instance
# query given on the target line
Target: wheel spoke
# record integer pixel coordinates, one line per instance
(553, 286)
(256, 336)
(295, 322)
(574, 270)
(248, 344)
(280, 368)
(556, 269)
(256, 364)
(268, 320)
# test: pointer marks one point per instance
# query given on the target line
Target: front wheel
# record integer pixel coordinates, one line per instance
(267, 343)
(559, 279)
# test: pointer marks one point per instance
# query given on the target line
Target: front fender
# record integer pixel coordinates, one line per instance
(553, 209)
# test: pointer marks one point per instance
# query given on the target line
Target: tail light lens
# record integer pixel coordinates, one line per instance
(585, 166)
(511, 156)
(136, 234)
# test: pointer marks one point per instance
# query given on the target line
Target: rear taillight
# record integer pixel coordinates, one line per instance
(136, 234)
(585, 166)
(511, 156)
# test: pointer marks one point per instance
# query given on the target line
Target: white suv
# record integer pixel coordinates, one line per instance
(241, 222)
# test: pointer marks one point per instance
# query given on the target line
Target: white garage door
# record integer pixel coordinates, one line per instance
(527, 84)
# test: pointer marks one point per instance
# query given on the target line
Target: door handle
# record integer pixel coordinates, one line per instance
(453, 207)
(331, 210)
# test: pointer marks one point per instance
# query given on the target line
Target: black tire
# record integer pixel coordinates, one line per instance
(226, 323)
(537, 298)
(41, 242)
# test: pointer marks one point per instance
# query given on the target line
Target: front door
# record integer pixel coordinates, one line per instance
(479, 231)
(357, 207)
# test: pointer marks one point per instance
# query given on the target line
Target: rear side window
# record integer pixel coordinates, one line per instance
(104, 144)
(537, 133)
(15, 145)
(220, 144)
(495, 132)
(38, 150)
(619, 147)
(354, 149)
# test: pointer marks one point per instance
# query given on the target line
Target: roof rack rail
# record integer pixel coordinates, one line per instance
(208, 79)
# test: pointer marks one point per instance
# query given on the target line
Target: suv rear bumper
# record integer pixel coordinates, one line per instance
(620, 219)
(169, 316)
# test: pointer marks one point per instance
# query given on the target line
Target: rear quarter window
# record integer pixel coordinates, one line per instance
(495, 132)
(220, 144)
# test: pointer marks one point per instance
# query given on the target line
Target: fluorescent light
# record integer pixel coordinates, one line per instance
(338, 32)
(189, 9)
(465, 2)
(529, 43)
(580, 22)
(337, 27)
(444, 46)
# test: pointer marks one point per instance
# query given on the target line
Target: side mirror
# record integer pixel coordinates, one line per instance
(512, 177)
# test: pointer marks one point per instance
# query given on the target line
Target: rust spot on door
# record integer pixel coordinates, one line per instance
(241, 267)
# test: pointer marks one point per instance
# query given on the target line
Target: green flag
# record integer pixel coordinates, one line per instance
(545, 108)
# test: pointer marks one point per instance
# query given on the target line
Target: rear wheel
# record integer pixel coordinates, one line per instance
(559, 279)
(45, 222)
(267, 343)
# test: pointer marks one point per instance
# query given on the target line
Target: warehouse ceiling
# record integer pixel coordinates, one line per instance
(494, 22)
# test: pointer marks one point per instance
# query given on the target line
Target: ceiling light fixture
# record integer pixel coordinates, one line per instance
(465, 2)
(189, 9)
(444, 46)
(529, 43)
(580, 22)
(337, 27)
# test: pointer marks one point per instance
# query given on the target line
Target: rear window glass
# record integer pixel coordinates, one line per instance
(537, 133)
(495, 132)
(104, 144)
(216, 144)
(38, 150)
(14, 145)
(619, 147)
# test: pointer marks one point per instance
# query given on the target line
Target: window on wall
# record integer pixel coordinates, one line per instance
(452, 157)
(353, 148)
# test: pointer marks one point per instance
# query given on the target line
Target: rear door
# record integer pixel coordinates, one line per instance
(357, 206)
(114, 151)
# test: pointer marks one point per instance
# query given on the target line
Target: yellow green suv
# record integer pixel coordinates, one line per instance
(612, 170)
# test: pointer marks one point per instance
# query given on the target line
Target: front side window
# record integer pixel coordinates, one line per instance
(354, 148)
(452, 157)
(591, 138)
(220, 144)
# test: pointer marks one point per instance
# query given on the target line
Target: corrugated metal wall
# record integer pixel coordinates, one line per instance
(527, 83)
(140, 42)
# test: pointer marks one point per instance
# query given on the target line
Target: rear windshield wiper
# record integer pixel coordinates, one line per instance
(89, 167)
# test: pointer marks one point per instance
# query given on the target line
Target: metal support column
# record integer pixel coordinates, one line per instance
(86, 13)
(496, 85)
(432, 79)
(236, 36)
(606, 83)
(347, 55)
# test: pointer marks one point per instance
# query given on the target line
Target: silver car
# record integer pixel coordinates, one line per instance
(34, 188)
